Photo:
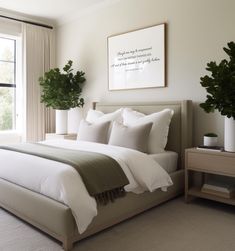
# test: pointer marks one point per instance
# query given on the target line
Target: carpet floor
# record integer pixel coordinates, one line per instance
(174, 226)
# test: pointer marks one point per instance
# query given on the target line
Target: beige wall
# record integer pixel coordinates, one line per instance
(196, 32)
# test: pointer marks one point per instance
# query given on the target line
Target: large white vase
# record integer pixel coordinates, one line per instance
(229, 134)
(61, 121)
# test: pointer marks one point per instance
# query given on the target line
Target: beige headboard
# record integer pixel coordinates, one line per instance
(180, 133)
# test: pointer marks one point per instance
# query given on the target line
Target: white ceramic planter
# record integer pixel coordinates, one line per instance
(229, 134)
(61, 121)
(210, 141)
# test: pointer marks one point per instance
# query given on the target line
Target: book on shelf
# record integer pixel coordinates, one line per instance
(211, 148)
(219, 189)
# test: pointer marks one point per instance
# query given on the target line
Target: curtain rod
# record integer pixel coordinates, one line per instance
(27, 22)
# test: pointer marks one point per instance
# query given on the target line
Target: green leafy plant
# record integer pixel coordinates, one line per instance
(211, 134)
(220, 86)
(62, 90)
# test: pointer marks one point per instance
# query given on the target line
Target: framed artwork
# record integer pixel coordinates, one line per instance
(136, 59)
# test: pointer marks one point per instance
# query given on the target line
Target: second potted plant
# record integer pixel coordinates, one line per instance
(62, 91)
(220, 87)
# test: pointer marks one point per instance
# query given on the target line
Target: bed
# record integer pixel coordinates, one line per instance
(58, 220)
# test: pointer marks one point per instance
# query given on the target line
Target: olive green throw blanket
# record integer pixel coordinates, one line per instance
(102, 175)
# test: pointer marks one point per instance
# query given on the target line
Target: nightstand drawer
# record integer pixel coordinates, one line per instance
(52, 136)
(211, 163)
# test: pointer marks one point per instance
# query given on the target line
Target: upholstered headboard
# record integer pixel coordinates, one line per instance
(180, 133)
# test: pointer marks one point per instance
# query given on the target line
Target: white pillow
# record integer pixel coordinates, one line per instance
(94, 116)
(159, 132)
(97, 132)
(134, 137)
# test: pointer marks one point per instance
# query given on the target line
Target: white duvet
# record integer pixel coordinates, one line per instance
(63, 183)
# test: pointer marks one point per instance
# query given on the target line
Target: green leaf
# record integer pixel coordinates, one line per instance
(62, 90)
(220, 84)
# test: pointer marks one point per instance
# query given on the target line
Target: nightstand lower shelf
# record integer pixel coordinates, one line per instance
(196, 191)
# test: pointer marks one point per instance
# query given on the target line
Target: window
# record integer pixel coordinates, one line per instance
(7, 83)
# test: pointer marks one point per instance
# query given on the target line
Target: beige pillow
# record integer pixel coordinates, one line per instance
(97, 132)
(134, 137)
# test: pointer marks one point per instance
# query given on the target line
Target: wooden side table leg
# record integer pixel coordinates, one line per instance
(186, 185)
(187, 197)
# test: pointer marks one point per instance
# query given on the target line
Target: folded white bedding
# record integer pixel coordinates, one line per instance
(63, 183)
(167, 160)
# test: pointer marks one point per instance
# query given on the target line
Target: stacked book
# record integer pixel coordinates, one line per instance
(219, 189)
(211, 148)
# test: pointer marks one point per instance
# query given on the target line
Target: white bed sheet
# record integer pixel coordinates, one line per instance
(63, 183)
(168, 160)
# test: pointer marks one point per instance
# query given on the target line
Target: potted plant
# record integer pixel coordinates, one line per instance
(220, 87)
(62, 91)
(210, 139)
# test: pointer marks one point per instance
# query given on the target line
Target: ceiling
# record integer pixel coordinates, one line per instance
(54, 11)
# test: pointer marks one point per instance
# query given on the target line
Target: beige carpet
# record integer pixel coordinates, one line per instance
(173, 226)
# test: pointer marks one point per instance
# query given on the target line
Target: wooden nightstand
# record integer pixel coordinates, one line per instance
(50, 136)
(199, 164)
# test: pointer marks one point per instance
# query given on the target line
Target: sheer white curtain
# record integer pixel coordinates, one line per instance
(38, 57)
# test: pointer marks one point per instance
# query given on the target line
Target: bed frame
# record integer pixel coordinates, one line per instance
(55, 218)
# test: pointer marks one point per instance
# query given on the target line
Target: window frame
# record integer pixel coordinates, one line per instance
(12, 85)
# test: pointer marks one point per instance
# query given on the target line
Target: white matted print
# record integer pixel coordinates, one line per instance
(137, 59)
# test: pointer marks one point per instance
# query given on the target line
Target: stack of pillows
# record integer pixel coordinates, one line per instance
(127, 128)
